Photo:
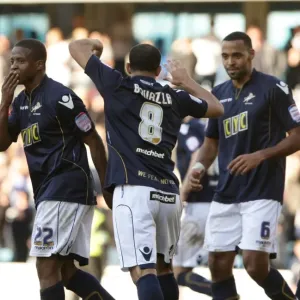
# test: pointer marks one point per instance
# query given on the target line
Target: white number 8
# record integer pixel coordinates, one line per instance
(149, 128)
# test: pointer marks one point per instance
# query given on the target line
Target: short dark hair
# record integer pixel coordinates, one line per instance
(144, 57)
(239, 36)
(38, 49)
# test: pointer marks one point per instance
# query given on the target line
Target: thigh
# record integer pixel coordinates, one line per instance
(134, 226)
(260, 221)
(223, 230)
(56, 227)
(168, 225)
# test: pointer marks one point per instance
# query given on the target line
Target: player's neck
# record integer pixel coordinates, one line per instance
(143, 73)
(30, 86)
(240, 83)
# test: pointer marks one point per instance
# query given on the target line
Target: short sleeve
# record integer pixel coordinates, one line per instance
(104, 77)
(72, 113)
(212, 129)
(283, 104)
(14, 122)
(191, 105)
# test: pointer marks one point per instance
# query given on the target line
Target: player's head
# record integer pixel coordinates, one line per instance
(237, 55)
(28, 58)
(144, 58)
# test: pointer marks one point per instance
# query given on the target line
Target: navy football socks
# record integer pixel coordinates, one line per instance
(169, 286)
(224, 290)
(195, 282)
(86, 285)
(56, 292)
(276, 287)
(148, 288)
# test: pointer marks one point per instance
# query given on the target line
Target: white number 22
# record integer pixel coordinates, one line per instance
(149, 128)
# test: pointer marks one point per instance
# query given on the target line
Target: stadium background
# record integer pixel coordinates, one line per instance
(190, 31)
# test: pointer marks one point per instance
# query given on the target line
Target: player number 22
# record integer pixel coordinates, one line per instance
(149, 128)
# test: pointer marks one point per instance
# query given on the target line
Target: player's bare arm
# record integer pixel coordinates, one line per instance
(205, 156)
(81, 50)
(8, 89)
(244, 163)
(180, 77)
(98, 154)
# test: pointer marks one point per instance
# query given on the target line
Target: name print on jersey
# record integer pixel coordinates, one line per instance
(158, 97)
(31, 135)
(235, 124)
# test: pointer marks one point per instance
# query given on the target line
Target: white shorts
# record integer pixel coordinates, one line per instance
(249, 226)
(62, 228)
(146, 223)
(190, 252)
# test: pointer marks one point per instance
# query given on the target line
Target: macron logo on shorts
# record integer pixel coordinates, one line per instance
(164, 198)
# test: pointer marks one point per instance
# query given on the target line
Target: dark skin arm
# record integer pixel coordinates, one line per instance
(98, 154)
(244, 163)
(8, 88)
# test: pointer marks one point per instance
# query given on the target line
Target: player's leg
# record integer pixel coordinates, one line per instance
(43, 245)
(135, 234)
(167, 279)
(167, 236)
(78, 281)
(222, 234)
(82, 283)
(260, 220)
(190, 252)
(51, 286)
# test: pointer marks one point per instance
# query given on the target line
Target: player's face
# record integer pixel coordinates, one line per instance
(237, 59)
(22, 63)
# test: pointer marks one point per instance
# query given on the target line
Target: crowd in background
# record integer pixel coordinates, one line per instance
(202, 58)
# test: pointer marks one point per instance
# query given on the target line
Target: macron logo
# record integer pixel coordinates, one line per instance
(67, 101)
(150, 153)
(283, 87)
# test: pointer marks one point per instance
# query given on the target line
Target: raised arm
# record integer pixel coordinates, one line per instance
(82, 50)
(180, 77)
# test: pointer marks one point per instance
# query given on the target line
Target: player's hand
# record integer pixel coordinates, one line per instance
(108, 197)
(244, 163)
(178, 73)
(8, 87)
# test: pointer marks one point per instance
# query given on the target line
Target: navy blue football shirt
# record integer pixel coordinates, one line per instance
(190, 138)
(256, 117)
(52, 121)
(143, 119)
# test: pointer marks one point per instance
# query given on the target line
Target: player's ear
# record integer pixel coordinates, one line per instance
(158, 70)
(252, 53)
(127, 68)
(40, 64)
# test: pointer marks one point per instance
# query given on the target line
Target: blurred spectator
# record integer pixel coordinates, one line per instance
(58, 57)
(267, 59)
(4, 57)
(207, 50)
(293, 70)
(107, 55)
(182, 50)
(20, 215)
(79, 80)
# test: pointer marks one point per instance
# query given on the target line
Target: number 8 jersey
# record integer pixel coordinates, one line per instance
(142, 120)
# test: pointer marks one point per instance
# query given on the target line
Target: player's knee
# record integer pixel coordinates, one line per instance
(256, 264)
(48, 269)
(136, 273)
(220, 265)
(68, 270)
(163, 267)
